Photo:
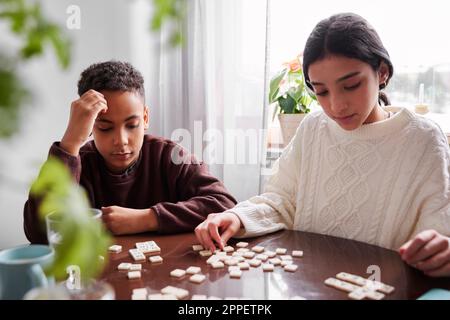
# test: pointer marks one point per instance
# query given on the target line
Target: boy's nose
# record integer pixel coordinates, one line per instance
(120, 138)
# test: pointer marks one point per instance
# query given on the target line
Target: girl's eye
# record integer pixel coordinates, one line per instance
(353, 87)
(322, 94)
(104, 129)
(134, 126)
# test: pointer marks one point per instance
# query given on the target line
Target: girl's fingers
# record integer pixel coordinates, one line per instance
(435, 262)
(432, 248)
(417, 243)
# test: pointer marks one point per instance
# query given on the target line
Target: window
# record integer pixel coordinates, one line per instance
(412, 31)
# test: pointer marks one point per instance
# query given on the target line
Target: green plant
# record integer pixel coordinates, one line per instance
(84, 239)
(35, 33)
(288, 89)
(172, 13)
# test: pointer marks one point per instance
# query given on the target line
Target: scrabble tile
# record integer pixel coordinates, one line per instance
(258, 249)
(148, 247)
(177, 292)
(267, 267)
(140, 291)
(374, 285)
(197, 278)
(233, 268)
(115, 248)
(231, 262)
(177, 273)
(237, 254)
(341, 285)
(281, 251)
(235, 274)
(197, 247)
(286, 257)
(297, 253)
(217, 265)
(387, 289)
(243, 265)
(124, 266)
(228, 249)
(212, 259)
(199, 297)
(254, 263)
(242, 244)
(270, 254)
(240, 259)
(139, 297)
(249, 255)
(155, 259)
(134, 267)
(134, 274)
(242, 250)
(193, 270)
(137, 255)
(371, 294)
(205, 253)
(286, 262)
(290, 268)
(357, 295)
(275, 261)
(261, 257)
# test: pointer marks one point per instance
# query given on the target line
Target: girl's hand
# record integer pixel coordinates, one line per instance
(429, 251)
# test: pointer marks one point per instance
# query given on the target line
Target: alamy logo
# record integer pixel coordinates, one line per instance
(74, 19)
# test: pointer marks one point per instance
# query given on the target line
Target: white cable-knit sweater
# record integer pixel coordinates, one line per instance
(381, 184)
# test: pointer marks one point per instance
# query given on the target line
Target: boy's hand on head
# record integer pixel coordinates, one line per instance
(207, 232)
(83, 113)
(120, 220)
(429, 251)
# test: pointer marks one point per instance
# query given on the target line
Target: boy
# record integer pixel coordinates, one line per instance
(129, 175)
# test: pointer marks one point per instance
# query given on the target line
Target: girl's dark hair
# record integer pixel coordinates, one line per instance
(351, 36)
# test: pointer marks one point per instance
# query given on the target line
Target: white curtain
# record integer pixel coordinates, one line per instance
(213, 88)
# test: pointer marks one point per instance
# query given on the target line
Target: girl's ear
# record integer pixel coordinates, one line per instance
(146, 117)
(383, 72)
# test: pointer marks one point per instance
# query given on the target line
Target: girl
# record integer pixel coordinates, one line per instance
(354, 170)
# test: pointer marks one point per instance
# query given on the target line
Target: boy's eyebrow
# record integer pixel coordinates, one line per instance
(347, 76)
(109, 121)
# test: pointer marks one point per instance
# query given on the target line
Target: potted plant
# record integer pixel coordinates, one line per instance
(291, 96)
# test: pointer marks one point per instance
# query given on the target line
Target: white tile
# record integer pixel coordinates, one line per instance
(177, 273)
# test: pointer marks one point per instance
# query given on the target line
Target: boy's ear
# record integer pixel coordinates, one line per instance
(146, 117)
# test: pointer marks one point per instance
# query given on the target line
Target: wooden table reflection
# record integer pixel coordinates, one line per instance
(324, 257)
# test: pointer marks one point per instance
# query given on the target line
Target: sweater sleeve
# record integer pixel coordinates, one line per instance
(434, 198)
(274, 209)
(199, 194)
(35, 228)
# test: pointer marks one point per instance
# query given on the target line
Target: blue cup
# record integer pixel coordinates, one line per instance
(22, 268)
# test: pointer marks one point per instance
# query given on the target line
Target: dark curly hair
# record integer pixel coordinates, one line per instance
(111, 75)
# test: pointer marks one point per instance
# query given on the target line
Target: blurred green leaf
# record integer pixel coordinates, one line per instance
(84, 239)
(172, 13)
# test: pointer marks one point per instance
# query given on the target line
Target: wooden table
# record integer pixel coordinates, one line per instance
(324, 257)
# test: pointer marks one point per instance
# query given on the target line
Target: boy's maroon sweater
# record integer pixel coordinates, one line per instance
(181, 194)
